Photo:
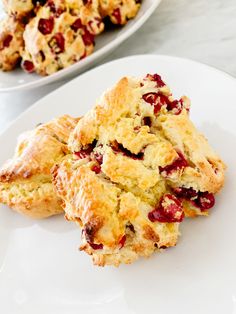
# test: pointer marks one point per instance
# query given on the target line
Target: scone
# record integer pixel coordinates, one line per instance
(11, 43)
(138, 164)
(61, 33)
(158, 127)
(25, 180)
(118, 11)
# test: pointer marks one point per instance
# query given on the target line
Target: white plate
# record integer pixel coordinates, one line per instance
(41, 269)
(105, 43)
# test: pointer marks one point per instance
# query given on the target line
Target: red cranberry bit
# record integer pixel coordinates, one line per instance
(117, 15)
(150, 98)
(84, 153)
(169, 210)
(119, 148)
(147, 121)
(204, 201)
(187, 193)
(96, 246)
(130, 227)
(28, 66)
(88, 38)
(156, 78)
(56, 11)
(96, 169)
(57, 43)
(99, 158)
(7, 40)
(45, 26)
(77, 25)
(122, 241)
(178, 164)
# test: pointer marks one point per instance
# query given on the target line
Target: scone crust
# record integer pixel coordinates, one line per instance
(25, 180)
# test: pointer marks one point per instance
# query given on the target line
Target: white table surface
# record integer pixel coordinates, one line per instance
(202, 30)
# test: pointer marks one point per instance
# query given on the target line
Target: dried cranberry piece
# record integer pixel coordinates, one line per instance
(96, 246)
(122, 241)
(130, 227)
(45, 26)
(99, 158)
(7, 40)
(169, 210)
(56, 11)
(188, 193)
(88, 38)
(77, 25)
(178, 164)
(28, 66)
(147, 121)
(96, 169)
(150, 98)
(57, 43)
(119, 148)
(84, 153)
(156, 78)
(117, 15)
(204, 201)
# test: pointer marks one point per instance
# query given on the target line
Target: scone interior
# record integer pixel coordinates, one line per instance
(139, 164)
(25, 180)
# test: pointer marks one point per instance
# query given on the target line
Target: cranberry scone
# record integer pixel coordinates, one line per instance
(61, 33)
(11, 43)
(25, 180)
(118, 11)
(139, 164)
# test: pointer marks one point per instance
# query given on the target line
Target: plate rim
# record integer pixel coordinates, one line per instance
(65, 73)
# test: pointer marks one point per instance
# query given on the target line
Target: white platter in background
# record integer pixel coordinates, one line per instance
(41, 269)
(105, 43)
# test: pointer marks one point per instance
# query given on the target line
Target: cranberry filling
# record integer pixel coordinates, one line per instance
(202, 200)
(56, 11)
(178, 164)
(84, 153)
(158, 100)
(169, 210)
(57, 43)
(77, 25)
(45, 26)
(7, 40)
(96, 169)
(147, 121)
(117, 15)
(156, 78)
(119, 148)
(96, 246)
(122, 241)
(28, 66)
(188, 193)
(88, 38)
(99, 158)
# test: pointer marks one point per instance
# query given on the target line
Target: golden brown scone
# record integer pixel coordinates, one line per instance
(25, 180)
(118, 11)
(61, 33)
(143, 117)
(138, 164)
(11, 43)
